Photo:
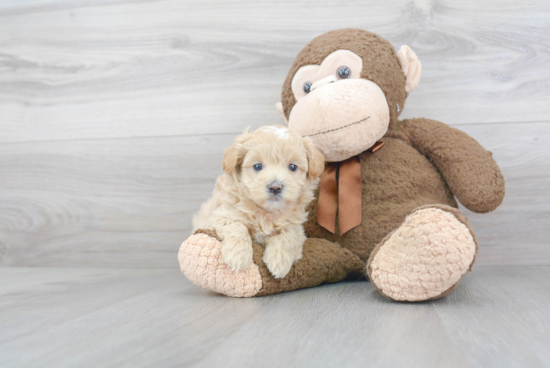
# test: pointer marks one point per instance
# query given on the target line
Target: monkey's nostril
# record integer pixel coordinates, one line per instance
(275, 187)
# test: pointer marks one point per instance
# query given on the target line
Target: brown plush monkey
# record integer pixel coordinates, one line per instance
(386, 204)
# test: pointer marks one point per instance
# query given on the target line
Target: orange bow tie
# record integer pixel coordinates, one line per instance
(340, 191)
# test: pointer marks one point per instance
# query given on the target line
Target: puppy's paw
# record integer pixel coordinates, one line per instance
(279, 261)
(237, 253)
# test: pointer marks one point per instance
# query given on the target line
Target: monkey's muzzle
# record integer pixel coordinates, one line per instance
(343, 118)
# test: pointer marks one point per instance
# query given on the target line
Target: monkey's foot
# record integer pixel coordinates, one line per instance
(201, 261)
(425, 257)
(322, 261)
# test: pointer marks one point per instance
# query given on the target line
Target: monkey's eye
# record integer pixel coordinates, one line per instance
(257, 167)
(343, 72)
(292, 167)
(307, 87)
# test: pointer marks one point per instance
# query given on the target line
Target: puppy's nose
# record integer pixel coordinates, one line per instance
(275, 187)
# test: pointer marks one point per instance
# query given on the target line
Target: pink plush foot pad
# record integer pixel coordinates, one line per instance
(201, 262)
(425, 257)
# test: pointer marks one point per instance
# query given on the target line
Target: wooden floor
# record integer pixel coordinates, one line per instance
(497, 317)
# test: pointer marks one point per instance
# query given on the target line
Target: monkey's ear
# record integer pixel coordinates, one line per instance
(279, 107)
(411, 67)
(315, 159)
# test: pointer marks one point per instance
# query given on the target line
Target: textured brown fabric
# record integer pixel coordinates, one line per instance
(421, 159)
(458, 216)
(210, 233)
(380, 65)
(322, 262)
(472, 174)
(396, 180)
(423, 162)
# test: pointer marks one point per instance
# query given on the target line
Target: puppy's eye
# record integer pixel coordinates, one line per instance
(257, 167)
(343, 72)
(292, 167)
(307, 87)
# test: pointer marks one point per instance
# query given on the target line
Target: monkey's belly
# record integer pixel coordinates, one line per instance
(396, 179)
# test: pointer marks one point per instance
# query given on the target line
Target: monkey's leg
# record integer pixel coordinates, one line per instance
(322, 261)
(425, 257)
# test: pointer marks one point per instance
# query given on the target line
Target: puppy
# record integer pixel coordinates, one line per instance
(269, 179)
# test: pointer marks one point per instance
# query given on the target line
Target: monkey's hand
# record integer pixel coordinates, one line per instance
(470, 171)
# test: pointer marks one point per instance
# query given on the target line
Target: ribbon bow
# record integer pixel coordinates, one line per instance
(340, 191)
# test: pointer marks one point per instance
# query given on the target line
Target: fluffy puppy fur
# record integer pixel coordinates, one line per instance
(269, 179)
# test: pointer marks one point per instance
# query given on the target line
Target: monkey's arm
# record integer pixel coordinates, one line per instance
(470, 171)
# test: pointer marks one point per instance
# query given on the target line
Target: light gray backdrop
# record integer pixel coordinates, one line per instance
(114, 114)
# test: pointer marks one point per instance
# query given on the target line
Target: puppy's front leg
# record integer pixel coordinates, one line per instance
(282, 250)
(236, 246)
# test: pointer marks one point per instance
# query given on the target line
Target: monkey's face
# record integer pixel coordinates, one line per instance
(346, 89)
(341, 112)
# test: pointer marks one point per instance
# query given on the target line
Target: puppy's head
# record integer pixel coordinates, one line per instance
(273, 166)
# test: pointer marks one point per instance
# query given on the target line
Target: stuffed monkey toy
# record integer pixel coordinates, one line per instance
(386, 202)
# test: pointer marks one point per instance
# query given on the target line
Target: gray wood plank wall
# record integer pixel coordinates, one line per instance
(114, 114)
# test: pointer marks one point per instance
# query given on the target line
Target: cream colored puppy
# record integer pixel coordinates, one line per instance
(269, 178)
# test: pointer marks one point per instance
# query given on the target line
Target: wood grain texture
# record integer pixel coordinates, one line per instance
(496, 317)
(85, 69)
(129, 202)
(114, 114)
(119, 202)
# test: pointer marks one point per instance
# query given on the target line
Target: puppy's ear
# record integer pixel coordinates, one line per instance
(230, 158)
(233, 155)
(315, 159)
